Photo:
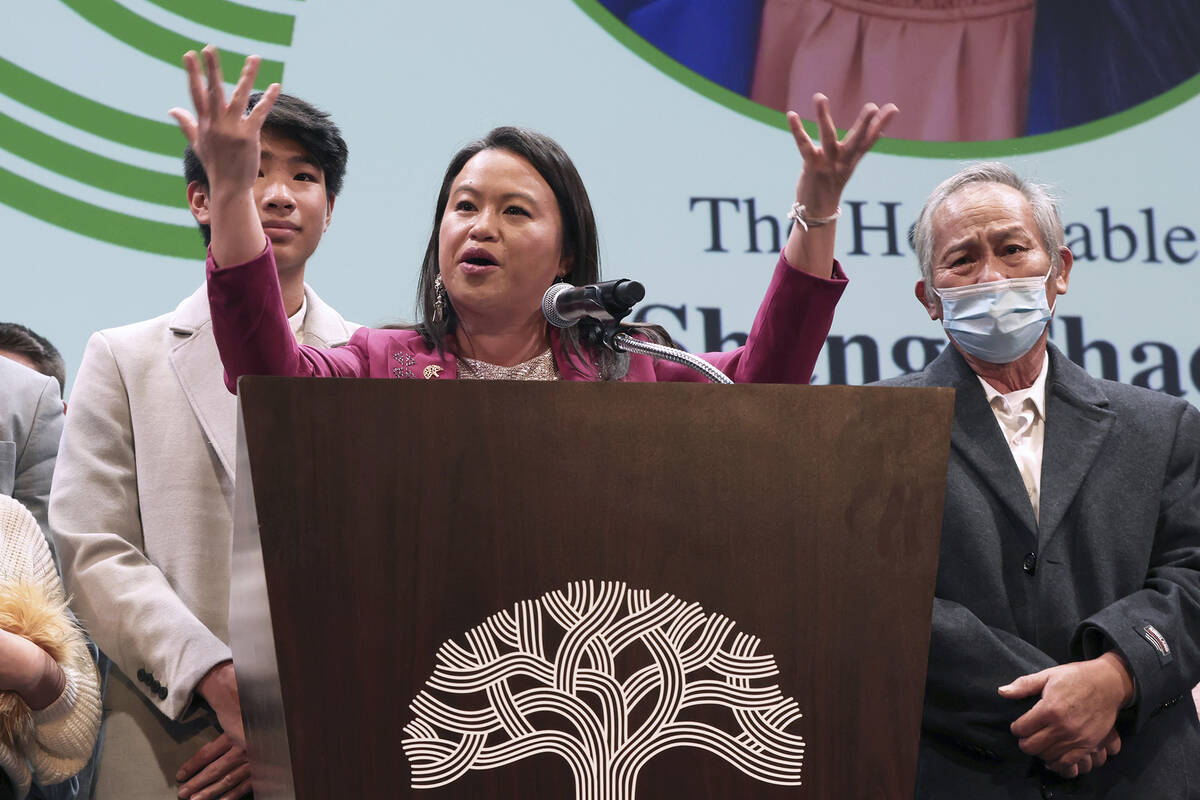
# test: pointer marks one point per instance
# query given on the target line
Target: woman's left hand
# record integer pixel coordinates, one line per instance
(829, 165)
(827, 169)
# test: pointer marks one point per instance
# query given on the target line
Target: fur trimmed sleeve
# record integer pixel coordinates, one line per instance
(54, 742)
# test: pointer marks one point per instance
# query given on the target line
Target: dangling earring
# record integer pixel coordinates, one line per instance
(439, 299)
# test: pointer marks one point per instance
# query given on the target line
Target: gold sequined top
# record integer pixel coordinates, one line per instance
(539, 368)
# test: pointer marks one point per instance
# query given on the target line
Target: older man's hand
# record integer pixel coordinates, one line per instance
(1072, 723)
(1094, 760)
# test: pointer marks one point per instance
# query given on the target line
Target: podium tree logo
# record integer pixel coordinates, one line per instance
(606, 678)
(127, 180)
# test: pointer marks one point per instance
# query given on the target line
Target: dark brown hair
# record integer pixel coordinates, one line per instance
(580, 241)
(18, 339)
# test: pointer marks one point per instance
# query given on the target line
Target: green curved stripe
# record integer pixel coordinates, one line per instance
(158, 42)
(149, 236)
(87, 167)
(88, 115)
(250, 23)
(905, 147)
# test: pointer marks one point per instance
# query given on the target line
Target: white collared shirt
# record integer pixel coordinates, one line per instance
(1022, 419)
(296, 321)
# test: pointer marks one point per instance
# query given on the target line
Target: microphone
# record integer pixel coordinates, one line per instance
(565, 305)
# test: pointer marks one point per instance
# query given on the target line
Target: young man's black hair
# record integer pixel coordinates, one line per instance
(303, 123)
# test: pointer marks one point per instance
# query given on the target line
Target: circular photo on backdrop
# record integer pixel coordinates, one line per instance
(1044, 73)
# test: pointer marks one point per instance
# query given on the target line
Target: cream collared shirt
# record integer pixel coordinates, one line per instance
(296, 321)
(1022, 419)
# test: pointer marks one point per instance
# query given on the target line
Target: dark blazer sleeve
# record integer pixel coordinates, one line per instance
(968, 662)
(974, 647)
(1157, 629)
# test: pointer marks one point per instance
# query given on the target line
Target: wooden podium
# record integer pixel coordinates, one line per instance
(660, 590)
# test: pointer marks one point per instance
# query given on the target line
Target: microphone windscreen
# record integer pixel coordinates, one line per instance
(549, 308)
(629, 293)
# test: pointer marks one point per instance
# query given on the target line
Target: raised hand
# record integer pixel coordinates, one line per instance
(829, 165)
(227, 141)
(222, 134)
(827, 168)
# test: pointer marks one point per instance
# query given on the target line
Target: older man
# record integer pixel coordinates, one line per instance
(1066, 624)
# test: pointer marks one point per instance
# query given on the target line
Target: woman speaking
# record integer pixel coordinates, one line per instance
(512, 217)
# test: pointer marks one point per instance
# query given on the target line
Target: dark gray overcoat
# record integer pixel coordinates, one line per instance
(1114, 562)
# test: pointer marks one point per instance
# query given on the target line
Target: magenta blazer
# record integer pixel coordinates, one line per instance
(254, 338)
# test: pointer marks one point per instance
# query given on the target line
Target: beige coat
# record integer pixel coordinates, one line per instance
(141, 513)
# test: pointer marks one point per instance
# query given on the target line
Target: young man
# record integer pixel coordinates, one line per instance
(142, 499)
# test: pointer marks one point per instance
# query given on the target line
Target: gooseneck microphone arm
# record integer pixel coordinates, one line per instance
(625, 342)
(599, 308)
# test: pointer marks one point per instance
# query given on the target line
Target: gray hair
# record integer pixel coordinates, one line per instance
(1044, 205)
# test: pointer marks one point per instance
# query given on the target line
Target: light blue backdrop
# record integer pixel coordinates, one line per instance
(410, 83)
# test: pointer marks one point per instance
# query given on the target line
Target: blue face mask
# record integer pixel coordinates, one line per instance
(999, 321)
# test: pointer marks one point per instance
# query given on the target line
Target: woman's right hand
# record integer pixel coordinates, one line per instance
(222, 134)
(227, 141)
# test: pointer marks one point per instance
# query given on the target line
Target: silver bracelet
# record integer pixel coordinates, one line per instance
(806, 222)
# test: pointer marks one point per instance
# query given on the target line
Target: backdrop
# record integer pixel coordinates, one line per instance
(689, 174)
